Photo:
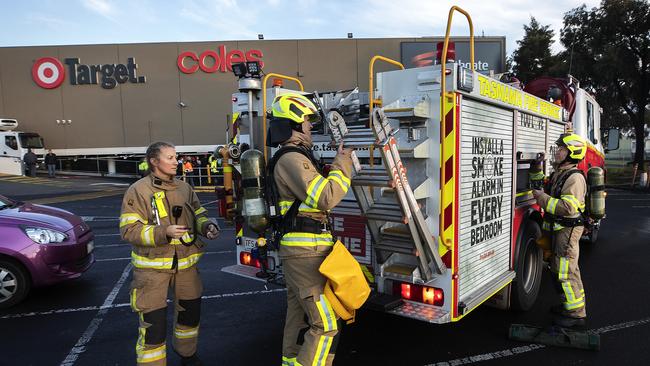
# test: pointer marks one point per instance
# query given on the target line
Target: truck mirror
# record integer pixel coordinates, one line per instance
(613, 137)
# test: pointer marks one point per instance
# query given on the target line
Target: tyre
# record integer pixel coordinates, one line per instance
(529, 267)
(14, 283)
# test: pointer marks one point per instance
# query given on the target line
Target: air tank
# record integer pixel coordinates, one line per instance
(254, 205)
(596, 182)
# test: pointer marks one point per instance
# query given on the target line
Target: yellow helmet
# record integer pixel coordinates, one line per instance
(576, 145)
(294, 107)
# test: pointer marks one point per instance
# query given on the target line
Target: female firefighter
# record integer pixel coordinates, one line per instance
(564, 204)
(162, 217)
(305, 196)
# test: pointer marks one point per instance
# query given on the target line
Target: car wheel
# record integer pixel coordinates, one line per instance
(529, 267)
(14, 283)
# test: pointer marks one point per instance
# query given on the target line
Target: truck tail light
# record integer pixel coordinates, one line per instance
(423, 294)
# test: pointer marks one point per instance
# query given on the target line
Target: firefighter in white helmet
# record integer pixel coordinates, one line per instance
(305, 196)
(161, 217)
(564, 204)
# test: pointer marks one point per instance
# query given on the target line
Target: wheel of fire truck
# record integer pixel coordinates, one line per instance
(528, 267)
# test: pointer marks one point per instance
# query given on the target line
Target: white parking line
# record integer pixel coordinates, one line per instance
(98, 235)
(80, 346)
(531, 347)
(113, 306)
(129, 258)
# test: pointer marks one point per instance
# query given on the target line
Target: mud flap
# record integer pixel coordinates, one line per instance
(555, 336)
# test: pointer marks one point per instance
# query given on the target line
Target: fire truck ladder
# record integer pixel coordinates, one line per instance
(398, 229)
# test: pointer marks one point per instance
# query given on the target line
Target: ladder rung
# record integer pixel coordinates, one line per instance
(396, 242)
(372, 180)
(359, 144)
(392, 249)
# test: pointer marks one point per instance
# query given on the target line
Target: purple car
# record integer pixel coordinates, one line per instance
(39, 245)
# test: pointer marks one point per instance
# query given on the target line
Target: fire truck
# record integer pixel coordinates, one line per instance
(440, 212)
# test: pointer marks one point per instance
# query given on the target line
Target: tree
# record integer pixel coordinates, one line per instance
(533, 57)
(608, 48)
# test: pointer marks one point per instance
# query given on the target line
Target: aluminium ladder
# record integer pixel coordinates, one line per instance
(397, 228)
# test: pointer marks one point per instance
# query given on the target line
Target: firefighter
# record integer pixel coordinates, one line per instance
(161, 217)
(564, 204)
(305, 197)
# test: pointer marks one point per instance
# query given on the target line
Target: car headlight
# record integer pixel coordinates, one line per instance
(45, 236)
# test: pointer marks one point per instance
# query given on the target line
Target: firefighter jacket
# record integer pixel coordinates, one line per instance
(567, 201)
(152, 249)
(297, 178)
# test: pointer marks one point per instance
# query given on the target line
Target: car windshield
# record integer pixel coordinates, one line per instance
(5, 203)
(31, 140)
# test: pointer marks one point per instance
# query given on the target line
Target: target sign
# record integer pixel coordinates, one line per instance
(48, 72)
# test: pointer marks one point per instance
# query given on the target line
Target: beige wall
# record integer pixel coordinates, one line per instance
(137, 114)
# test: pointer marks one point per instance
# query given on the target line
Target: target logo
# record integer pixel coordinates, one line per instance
(48, 72)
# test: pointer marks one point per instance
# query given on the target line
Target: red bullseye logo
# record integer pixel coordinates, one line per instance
(48, 72)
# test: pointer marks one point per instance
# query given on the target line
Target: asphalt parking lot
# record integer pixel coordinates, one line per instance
(88, 321)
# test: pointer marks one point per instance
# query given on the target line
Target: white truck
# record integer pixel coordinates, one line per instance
(14, 145)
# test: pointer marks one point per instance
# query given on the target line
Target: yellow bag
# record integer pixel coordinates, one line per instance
(346, 288)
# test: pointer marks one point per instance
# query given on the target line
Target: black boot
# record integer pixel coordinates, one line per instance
(191, 361)
(557, 309)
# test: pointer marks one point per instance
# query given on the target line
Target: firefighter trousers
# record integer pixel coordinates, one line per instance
(565, 270)
(149, 291)
(311, 328)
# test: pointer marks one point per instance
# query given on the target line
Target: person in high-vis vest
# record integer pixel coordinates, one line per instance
(311, 329)
(143, 168)
(563, 204)
(161, 217)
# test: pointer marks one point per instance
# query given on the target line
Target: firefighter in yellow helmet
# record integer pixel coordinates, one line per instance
(162, 217)
(305, 196)
(563, 204)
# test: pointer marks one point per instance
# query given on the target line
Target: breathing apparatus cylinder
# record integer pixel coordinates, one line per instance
(252, 174)
(596, 198)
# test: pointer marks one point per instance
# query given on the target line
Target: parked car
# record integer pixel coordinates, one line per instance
(40, 245)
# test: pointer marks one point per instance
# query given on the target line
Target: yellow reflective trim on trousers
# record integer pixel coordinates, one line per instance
(240, 233)
(186, 333)
(152, 355)
(147, 235)
(200, 210)
(188, 262)
(297, 239)
(563, 273)
(324, 344)
(575, 305)
(568, 292)
(551, 205)
(134, 299)
(154, 263)
(313, 190)
(130, 218)
(329, 312)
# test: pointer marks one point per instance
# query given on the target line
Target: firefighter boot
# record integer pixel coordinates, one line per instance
(191, 361)
(567, 321)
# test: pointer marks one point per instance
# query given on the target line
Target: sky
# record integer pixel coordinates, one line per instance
(66, 22)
